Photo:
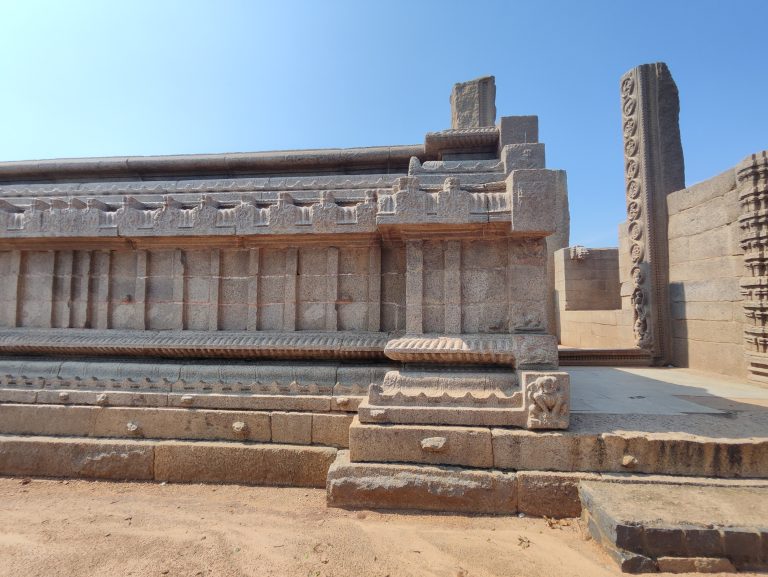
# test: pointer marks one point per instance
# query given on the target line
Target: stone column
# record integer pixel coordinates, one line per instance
(653, 167)
(752, 174)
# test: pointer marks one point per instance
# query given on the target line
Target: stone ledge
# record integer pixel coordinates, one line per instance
(134, 423)
(174, 461)
(195, 344)
(641, 524)
(426, 488)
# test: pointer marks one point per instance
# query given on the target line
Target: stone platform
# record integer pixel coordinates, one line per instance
(677, 528)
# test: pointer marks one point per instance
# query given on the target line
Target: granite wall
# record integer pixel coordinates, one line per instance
(706, 264)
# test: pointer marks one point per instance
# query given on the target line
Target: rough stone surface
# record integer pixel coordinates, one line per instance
(465, 446)
(657, 521)
(379, 486)
(473, 103)
(293, 428)
(331, 430)
(71, 457)
(695, 565)
(210, 462)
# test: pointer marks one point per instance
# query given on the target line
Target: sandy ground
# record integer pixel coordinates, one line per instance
(81, 528)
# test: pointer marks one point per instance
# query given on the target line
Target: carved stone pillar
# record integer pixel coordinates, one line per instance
(752, 174)
(653, 167)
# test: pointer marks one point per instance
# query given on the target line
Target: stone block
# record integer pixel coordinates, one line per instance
(663, 541)
(47, 420)
(247, 464)
(533, 195)
(191, 424)
(331, 430)
(742, 547)
(78, 458)
(292, 428)
(550, 494)
(250, 402)
(425, 488)
(695, 565)
(518, 130)
(522, 156)
(701, 542)
(473, 103)
(464, 446)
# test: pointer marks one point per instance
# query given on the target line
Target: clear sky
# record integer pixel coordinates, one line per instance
(141, 77)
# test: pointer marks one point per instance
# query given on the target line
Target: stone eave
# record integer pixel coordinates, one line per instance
(384, 159)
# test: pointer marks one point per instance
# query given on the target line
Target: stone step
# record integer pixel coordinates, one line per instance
(676, 528)
(487, 491)
(328, 429)
(575, 357)
(172, 461)
(725, 446)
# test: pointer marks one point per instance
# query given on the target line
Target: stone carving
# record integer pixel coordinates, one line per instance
(172, 217)
(633, 186)
(547, 399)
(405, 284)
(752, 174)
(653, 167)
(224, 344)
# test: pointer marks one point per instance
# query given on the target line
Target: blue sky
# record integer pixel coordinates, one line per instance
(143, 77)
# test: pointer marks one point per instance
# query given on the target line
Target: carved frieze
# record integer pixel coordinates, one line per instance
(752, 176)
(634, 187)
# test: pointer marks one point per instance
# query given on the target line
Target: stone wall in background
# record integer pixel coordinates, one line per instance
(588, 302)
(706, 265)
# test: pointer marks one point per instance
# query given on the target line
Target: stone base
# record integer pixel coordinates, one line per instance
(469, 397)
(595, 443)
(174, 461)
(328, 429)
(665, 527)
(425, 488)
(461, 490)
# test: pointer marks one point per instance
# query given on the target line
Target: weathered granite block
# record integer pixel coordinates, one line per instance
(473, 103)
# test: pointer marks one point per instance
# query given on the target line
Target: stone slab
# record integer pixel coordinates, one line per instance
(696, 446)
(667, 520)
(249, 464)
(251, 402)
(420, 487)
(331, 430)
(464, 446)
(292, 428)
(76, 457)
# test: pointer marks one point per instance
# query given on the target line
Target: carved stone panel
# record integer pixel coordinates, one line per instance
(653, 167)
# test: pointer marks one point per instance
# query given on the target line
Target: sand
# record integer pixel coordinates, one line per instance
(90, 529)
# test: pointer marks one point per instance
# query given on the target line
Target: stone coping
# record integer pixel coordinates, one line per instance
(214, 165)
(195, 344)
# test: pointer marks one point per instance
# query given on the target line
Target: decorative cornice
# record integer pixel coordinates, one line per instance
(194, 344)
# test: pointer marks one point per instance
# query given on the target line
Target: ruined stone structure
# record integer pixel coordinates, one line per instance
(383, 322)
(410, 279)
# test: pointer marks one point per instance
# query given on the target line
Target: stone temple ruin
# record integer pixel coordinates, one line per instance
(383, 322)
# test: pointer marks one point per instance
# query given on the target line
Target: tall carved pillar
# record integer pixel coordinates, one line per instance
(653, 167)
(752, 174)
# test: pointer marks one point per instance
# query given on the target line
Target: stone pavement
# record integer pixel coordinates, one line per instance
(661, 391)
